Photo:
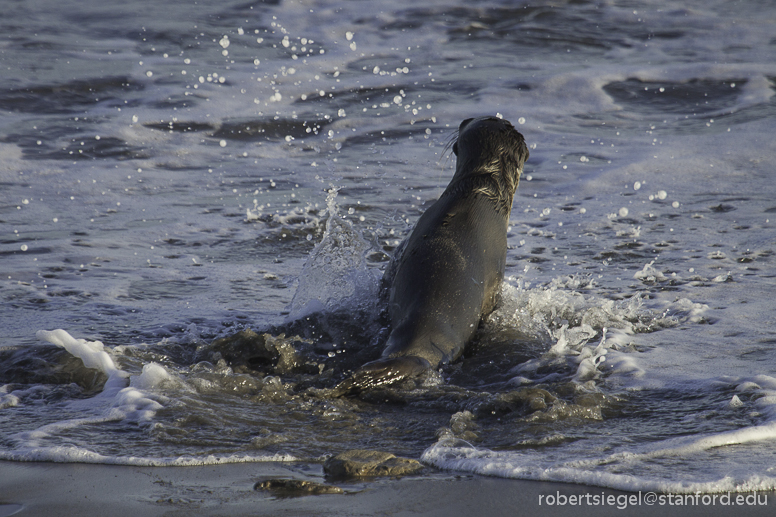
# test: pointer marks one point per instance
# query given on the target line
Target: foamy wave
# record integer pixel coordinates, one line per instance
(636, 467)
(123, 397)
(587, 334)
(535, 466)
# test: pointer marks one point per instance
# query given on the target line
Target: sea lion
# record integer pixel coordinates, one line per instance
(446, 276)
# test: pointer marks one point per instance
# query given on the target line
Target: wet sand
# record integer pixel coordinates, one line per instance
(54, 489)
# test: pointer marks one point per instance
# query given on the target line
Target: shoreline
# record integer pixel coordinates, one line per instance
(53, 489)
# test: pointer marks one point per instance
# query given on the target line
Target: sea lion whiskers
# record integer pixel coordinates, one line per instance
(446, 151)
(452, 138)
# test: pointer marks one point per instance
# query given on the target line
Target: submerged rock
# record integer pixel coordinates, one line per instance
(296, 487)
(462, 426)
(262, 352)
(365, 463)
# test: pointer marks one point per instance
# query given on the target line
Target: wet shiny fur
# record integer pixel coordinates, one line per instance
(447, 274)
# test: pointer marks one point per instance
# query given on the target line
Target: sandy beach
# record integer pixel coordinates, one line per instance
(53, 489)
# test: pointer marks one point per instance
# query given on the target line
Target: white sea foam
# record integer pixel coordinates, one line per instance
(8, 399)
(535, 466)
(634, 467)
(509, 466)
(116, 402)
(584, 332)
(92, 354)
(135, 403)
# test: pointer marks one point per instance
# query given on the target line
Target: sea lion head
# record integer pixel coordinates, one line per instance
(491, 154)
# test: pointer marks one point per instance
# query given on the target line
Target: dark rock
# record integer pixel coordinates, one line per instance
(276, 355)
(296, 487)
(364, 463)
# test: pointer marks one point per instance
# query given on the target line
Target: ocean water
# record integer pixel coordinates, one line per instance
(175, 174)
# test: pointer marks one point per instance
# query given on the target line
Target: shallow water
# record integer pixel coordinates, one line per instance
(172, 176)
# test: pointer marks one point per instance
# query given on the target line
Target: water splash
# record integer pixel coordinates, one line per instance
(336, 274)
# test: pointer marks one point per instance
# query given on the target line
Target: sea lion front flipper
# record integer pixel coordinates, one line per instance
(383, 372)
